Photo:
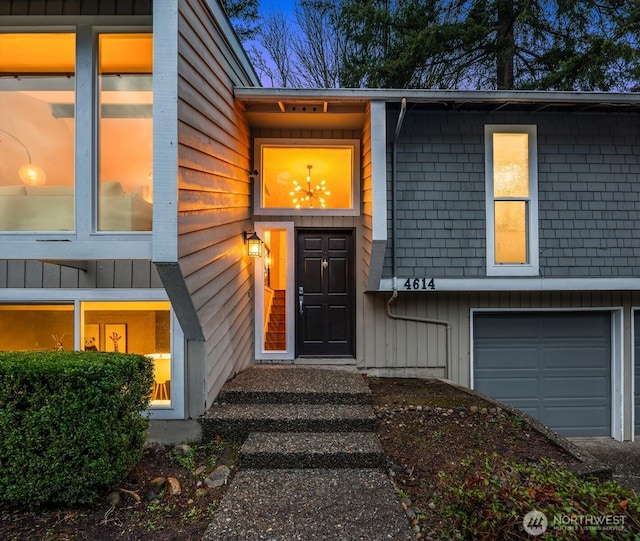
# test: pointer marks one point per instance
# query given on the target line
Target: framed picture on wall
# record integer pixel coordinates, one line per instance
(115, 337)
(92, 337)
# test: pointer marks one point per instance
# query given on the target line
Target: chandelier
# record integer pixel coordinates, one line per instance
(307, 196)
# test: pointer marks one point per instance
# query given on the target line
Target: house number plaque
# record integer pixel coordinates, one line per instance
(412, 284)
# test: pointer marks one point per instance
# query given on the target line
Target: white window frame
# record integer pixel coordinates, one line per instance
(86, 242)
(532, 267)
(262, 354)
(76, 297)
(354, 144)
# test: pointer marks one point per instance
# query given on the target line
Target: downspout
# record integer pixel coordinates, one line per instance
(394, 236)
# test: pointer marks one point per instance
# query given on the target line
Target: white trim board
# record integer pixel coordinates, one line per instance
(518, 284)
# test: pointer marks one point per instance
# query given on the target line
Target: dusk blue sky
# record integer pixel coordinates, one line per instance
(278, 5)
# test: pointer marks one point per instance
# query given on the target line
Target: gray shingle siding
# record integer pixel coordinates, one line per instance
(588, 189)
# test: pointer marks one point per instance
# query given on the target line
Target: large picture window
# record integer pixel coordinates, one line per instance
(65, 164)
(142, 327)
(307, 177)
(511, 188)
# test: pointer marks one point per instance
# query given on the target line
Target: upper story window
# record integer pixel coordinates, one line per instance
(76, 131)
(313, 177)
(512, 200)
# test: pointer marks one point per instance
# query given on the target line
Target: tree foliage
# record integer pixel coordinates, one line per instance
(488, 44)
(244, 16)
(447, 44)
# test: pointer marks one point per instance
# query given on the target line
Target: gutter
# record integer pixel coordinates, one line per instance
(394, 236)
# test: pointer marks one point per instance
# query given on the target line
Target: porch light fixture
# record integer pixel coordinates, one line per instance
(254, 244)
(307, 195)
(29, 174)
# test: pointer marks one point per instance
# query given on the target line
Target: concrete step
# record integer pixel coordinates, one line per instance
(237, 421)
(311, 450)
(286, 385)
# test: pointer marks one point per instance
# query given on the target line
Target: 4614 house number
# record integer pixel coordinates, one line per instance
(419, 283)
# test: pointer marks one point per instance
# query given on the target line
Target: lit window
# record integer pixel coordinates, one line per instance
(511, 187)
(37, 95)
(142, 327)
(133, 327)
(36, 327)
(126, 132)
(50, 134)
(316, 178)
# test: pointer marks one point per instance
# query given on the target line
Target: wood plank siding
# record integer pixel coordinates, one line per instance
(421, 348)
(214, 196)
(120, 274)
(76, 7)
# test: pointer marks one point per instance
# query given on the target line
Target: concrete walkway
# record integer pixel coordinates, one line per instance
(311, 466)
(623, 457)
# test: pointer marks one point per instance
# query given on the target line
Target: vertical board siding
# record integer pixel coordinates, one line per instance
(396, 344)
(76, 7)
(214, 194)
(122, 274)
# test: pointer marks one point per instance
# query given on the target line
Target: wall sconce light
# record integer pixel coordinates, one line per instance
(254, 244)
(29, 174)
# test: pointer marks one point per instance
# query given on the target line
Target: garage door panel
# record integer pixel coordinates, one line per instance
(580, 357)
(560, 375)
(567, 420)
(494, 326)
(566, 326)
(588, 389)
(509, 388)
(505, 358)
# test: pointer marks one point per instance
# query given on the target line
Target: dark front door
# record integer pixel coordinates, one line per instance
(324, 293)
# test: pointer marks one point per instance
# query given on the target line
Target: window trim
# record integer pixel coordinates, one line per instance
(259, 143)
(76, 297)
(532, 267)
(86, 241)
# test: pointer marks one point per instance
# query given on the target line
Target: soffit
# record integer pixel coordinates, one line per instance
(347, 108)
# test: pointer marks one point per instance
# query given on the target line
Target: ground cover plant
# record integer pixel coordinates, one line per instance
(468, 469)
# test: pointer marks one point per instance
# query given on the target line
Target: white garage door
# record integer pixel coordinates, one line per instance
(554, 366)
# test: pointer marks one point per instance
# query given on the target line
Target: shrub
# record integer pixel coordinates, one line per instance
(71, 423)
(489, 501)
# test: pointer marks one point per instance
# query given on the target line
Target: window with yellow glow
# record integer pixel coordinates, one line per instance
(142, 327)
(37, 132)
(125, 132)
(307, 179)
(37, 327)
(62, 123)
(511, 200)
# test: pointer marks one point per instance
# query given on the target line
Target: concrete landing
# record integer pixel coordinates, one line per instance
(310, 504)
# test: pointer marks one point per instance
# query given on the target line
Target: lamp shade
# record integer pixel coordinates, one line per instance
(254, 246)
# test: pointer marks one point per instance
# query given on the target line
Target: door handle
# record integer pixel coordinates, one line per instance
(300, 300)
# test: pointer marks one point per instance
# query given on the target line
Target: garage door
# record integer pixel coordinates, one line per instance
(554, 366)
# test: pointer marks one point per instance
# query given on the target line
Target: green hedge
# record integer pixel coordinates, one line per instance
(71, 423)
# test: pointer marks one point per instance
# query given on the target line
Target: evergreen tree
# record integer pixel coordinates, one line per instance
(490, 44)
